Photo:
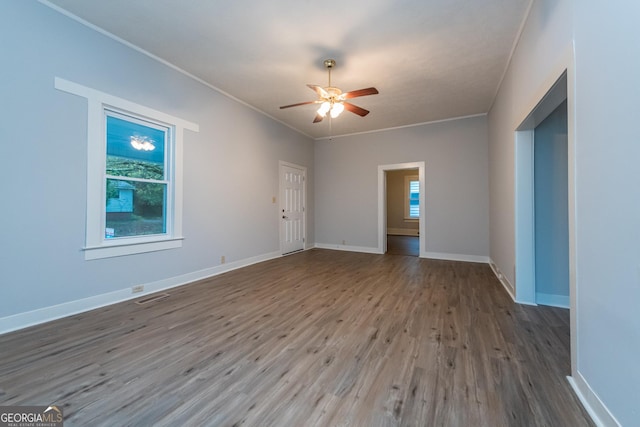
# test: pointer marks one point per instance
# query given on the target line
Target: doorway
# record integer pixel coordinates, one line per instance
(403, 212)
(292, 213)
(417, 168)
(540, 215)
(551, 209)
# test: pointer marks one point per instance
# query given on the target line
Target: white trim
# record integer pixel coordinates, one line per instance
(456, 257)
(97, 103)
(47, 314)
(524, 273)
(596, 409)
(514, 46)
(427, 255)
(362, 249)
(400, 127)
(504, 281)
(561, 301)
(99, 252)
(107, 99)
(382, 205)
(573, 255)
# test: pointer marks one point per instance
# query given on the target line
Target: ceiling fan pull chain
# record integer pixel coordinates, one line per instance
(330, 129)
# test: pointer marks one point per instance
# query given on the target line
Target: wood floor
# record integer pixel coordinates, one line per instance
(403, 245)
(318, 338)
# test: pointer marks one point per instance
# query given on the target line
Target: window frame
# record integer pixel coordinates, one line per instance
(96, 245)
(407, 198)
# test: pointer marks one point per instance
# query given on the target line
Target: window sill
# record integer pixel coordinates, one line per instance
(115, 250)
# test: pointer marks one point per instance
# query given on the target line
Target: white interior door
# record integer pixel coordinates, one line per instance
(292, 202)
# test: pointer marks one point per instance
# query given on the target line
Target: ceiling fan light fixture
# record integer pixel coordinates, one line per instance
(332, 100)
(337, 109)
(324, 108)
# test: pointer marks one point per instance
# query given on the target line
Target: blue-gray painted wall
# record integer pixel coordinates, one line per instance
(551, 204)
(230, 165)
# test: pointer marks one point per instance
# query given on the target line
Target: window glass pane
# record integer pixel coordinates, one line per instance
(414, 199)
(135, 150)
(414, 187)
(414, 209)
(135, 208)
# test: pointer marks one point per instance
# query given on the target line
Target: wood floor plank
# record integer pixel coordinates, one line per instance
(318, 338)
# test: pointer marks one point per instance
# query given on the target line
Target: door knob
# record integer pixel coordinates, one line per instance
(285, 217)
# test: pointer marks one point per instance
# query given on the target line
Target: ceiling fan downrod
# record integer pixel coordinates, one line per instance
(329, 64)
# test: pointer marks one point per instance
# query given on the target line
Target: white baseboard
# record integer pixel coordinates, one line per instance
(561, 301)
(511, 290)
(403, 231)
(363, 249)
(431, 255)
(455, 257)
(597, 410)
(47, 314)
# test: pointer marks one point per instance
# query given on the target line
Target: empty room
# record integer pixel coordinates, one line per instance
(366, 213)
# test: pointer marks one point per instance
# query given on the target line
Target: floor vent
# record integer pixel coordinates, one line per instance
(152, 298)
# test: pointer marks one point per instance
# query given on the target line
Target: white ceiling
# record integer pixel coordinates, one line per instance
(430, 59)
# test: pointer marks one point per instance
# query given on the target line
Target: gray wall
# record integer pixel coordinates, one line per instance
(231, 173)
(230, 166)
(456, 184)
(396, 202)
(591, 39)
(552, 209)
(608, 202)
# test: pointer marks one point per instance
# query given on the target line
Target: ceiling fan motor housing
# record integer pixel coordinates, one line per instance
(329, 63)
(333, 92)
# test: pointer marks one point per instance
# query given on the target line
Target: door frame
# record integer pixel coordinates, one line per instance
(282, 163)
(525, 279)
(557, 87)
(382, 204)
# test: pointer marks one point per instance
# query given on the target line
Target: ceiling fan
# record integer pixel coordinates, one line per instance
(332, 100)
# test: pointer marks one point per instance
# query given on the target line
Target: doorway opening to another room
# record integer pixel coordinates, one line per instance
(401, 204)
(403, 212)
(545, 206)
(542, 202)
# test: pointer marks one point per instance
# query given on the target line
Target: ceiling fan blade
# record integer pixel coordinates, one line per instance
(318, 118)
(319, 90)
(360, 92)
(298, 104)
(355, 109)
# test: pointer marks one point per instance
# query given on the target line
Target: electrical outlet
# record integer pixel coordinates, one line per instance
(137, 289)
(344, 242)
(222, 259)
(273, 199)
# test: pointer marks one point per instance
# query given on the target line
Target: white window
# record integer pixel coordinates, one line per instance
(138, 177)
(411, 197)
(134, 171)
